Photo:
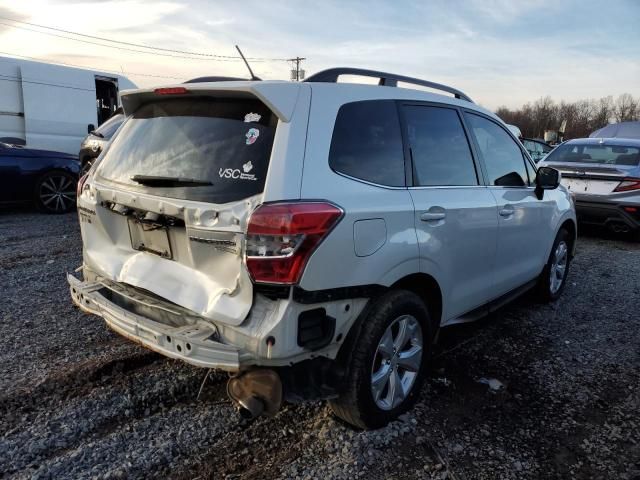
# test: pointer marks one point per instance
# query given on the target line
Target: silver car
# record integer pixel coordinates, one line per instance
(312, 237)
(604, 176)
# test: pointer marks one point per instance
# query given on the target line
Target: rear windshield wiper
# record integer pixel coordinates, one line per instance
(96, 134)
(154, 181)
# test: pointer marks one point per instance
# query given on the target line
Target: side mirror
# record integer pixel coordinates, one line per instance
(547, 179)
(90, 128)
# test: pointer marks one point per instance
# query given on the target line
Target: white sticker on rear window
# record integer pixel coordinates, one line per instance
(252, 135)
(252, 117)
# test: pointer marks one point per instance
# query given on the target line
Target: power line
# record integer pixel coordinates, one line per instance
(92, 68)
(209, 55)
(120, 48)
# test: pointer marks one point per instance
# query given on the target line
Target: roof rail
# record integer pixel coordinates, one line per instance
(386, 79)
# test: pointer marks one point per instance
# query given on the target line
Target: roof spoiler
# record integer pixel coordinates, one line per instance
(281, 98)
(385, 79)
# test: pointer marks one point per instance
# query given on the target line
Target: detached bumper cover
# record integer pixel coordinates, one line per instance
(193, 343)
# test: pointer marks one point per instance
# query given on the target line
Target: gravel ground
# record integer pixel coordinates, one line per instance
(78, 401)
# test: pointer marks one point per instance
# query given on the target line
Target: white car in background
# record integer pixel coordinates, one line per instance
(311, 238)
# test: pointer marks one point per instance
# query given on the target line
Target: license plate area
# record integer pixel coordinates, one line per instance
(591, 186)
(150, 237)
(578, 186)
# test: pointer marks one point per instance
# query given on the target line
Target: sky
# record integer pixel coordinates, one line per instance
(499, 52)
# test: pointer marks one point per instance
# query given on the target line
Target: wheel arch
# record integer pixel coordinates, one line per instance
(570, 226)
(422, 284)
(428, 289)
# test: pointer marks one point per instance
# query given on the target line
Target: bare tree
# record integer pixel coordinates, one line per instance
(582, 116)
(626, 107)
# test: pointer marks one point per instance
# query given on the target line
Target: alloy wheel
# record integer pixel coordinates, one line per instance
(558, 267)
(397, 362)
(57, 193)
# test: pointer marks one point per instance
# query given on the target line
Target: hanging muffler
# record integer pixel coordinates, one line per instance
(619, 227)
(256, 392)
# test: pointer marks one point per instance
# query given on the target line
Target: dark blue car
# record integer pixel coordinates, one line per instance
(43, 177)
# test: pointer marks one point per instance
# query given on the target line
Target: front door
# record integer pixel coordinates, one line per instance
(522, 233)
(455, 215)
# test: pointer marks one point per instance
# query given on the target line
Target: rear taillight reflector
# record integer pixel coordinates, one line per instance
(628, 184)
(170, 91)
(282, 236)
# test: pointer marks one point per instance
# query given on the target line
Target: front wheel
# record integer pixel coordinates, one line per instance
(388, 361)
(553, 278)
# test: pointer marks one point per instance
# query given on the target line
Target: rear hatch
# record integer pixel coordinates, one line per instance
(166, 209)
(594, 169)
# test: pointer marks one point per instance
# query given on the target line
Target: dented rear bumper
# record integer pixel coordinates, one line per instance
(195, 341)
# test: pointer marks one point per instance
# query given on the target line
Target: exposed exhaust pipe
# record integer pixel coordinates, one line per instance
(256, 392)
(620, 227)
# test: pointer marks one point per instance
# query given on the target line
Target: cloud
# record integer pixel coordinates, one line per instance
(497, 51)
(9, 13)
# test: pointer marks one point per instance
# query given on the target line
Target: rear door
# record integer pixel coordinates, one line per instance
(455, 215)
(522, 236)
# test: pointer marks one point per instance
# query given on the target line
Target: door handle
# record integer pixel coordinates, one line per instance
(506, 211)
(431, 216)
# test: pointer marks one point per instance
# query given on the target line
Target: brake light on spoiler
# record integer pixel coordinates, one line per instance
(628, 184)
(282, 236)
(170, 91)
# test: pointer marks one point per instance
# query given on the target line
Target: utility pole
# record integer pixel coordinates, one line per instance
(297, 74)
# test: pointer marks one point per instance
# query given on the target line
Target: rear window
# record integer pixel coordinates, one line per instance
(596, 154)
(367, 143)
(223, 143)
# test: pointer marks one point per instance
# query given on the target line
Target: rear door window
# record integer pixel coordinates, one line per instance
(439, 147)
(222, 145)
(367, 143)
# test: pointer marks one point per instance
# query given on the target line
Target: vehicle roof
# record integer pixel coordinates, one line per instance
(621, 142)
(279, 94)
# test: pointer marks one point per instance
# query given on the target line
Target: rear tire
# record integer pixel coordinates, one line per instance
(55, 192)
(387, 361)
(553, 278)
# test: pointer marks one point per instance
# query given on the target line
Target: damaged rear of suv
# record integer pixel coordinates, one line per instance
(230, 225)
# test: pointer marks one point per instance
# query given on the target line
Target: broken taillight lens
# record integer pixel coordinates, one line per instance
(80, 185)
(282, 236)
(628, 184)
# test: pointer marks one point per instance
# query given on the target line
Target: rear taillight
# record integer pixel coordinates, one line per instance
(170, 91)
(282, 236)
(628, 184)
(80, 185)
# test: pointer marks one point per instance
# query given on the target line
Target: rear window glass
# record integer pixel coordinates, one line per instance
(367, 143)
(222, 145)
(596, 154)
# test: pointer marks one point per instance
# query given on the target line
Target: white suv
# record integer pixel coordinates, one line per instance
(311, 238)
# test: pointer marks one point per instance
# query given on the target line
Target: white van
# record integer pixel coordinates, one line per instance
(52, 107)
